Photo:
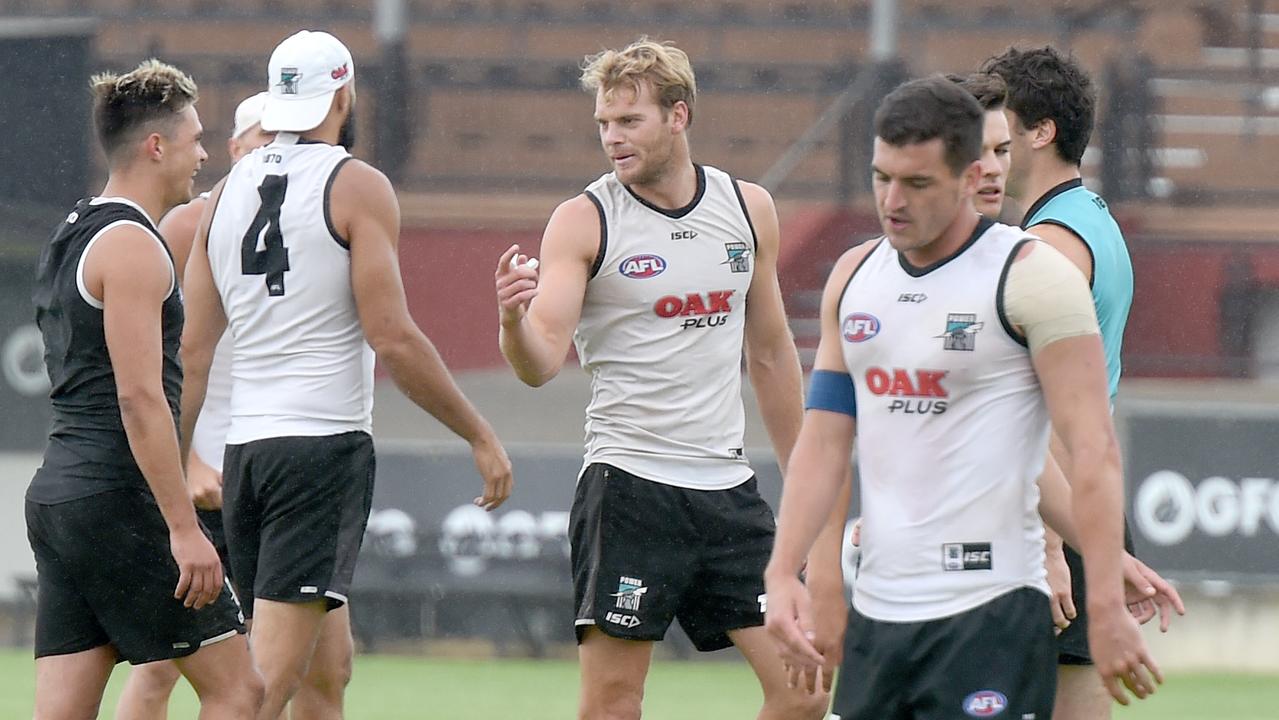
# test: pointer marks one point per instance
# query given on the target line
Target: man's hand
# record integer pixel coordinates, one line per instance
(830, 620)
(1063, 601)
(1120, 653)
(1146, 593)
(199, 568)
(516, 280)
(495, 468)
(790, 621)
(204, 484)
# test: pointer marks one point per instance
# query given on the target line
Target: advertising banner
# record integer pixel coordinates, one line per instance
(1203, 501)
(24, 383)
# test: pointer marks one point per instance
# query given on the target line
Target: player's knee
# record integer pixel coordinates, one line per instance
(282, 681)
(797, 704)
(247, 694)
(331, 676)
(617, 699)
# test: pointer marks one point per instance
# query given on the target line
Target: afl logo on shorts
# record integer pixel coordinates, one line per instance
(985, 703)
(860, 327)
(638, 267)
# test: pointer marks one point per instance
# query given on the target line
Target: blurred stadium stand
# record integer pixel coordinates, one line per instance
(1188, 121)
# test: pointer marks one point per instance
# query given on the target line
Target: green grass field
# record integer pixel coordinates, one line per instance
(404, 688)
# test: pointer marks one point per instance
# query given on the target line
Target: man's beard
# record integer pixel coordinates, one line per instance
(346, 136)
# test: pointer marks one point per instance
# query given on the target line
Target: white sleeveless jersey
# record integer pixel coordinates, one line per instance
(208, 440)
(300, 363)
(951, 432)
(661, 334)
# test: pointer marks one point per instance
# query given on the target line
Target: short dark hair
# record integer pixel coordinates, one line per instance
(149, 96)
(933, 107)
(1045, 84)
(989, 89)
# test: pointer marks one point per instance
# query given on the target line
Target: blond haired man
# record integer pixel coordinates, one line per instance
(661, 270)
(124, 571)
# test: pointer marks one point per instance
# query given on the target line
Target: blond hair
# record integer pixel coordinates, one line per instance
(663, 66)
(152, 93)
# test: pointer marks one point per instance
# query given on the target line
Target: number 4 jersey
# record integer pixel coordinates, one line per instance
(300, 363)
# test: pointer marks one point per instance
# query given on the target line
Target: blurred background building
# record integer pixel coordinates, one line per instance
(472, 107)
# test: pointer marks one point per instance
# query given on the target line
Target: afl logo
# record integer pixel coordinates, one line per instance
(638, 267)
(860, 327)
(985, 703)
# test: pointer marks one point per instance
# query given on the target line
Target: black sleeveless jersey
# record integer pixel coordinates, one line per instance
(88, 452)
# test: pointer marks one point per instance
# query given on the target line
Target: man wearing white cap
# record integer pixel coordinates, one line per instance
(298, 257)
(146, 693)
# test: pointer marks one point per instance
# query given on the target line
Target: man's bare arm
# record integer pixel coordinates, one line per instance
(825, 582)
(1046, 298)
(817, 469)
(1067, 243)
(130, 273)
(205, 322)
(772, 362)
(539, 307)
(367, 214)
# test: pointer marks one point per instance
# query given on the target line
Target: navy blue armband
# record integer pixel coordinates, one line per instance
(831, 391)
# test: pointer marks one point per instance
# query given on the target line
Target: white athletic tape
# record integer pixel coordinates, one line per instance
(531, 264)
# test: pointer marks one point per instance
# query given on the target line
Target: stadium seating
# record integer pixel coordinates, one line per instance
(496, 111)
(474, 59)
(767, 70)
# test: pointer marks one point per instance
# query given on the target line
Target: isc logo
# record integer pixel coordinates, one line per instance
(985, 703)
(683, 234)
(966, 556)
(860, 327)
(626, 621)
(638, 267)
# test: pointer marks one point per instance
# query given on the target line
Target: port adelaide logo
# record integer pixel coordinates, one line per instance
(289, 79)
(961, 332)
(739, 257)
(630, 591)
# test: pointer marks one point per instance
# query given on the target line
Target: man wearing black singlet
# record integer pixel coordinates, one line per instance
(124, 571)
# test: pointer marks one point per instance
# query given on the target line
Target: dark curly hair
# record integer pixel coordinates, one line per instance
(933, 107)
(1045, 84)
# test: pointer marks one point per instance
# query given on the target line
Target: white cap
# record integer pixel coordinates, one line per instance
(305, 71)
(248, 113)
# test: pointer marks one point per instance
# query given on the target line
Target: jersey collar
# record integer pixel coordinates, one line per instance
(677, 213)
(1058, 189)
(983, 224)
(123, 201)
